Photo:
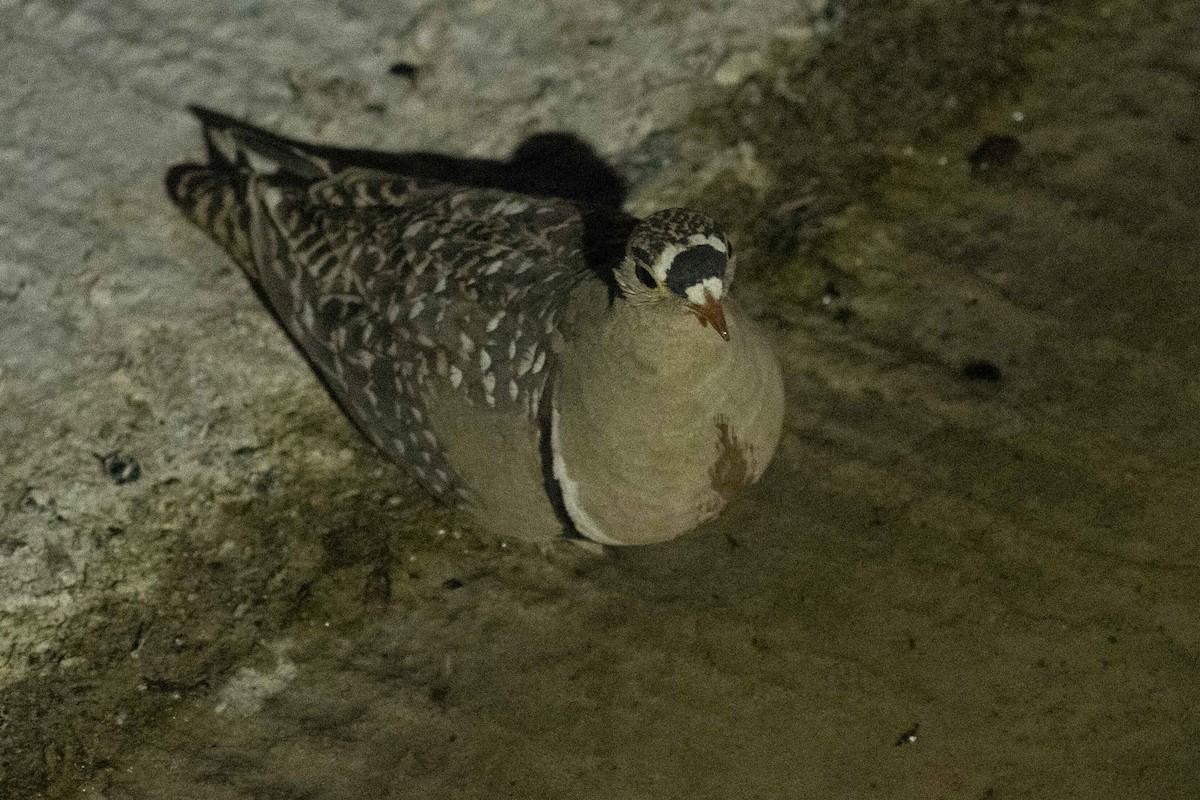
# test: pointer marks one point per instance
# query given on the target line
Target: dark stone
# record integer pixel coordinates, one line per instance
(981, 370)
(996, 151)
(403, 69)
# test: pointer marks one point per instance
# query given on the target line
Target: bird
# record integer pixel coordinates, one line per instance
(557, 368)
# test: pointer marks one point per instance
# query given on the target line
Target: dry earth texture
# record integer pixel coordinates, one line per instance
(971, 571)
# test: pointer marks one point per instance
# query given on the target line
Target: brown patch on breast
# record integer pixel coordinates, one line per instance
(734, 467)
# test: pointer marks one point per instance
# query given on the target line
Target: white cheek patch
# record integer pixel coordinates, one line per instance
(712, 241)
(695, 293)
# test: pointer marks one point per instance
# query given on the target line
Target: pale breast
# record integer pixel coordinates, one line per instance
(658, 424)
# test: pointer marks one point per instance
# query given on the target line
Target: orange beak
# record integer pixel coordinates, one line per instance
(710, 313)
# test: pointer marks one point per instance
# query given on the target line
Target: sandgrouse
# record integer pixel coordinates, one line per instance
(554, 380)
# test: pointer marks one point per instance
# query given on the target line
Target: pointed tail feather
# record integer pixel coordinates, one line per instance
(217, 196)
(214, 200)
(233, 144)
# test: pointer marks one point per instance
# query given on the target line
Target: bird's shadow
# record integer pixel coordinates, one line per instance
(553, 164)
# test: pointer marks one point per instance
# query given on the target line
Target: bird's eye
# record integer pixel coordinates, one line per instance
(645, 277)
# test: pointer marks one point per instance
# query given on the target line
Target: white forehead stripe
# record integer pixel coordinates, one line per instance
(712, 241)
(695, 292)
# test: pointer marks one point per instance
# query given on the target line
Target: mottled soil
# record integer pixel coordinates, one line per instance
(971, 571)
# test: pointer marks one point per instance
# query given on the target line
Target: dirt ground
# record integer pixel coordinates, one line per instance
(971, 572)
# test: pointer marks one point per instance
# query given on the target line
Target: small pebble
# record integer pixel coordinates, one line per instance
(122, 469)
(909, 736)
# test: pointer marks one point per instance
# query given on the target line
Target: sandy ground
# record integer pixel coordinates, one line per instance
(974, 232)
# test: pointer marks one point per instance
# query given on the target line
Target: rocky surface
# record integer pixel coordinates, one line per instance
(970, 572)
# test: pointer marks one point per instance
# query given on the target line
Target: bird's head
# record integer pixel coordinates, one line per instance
(679, 257)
